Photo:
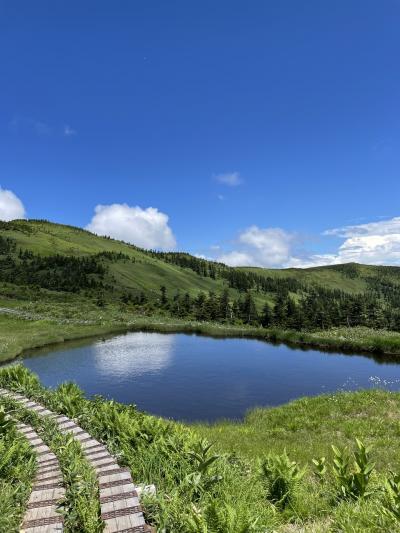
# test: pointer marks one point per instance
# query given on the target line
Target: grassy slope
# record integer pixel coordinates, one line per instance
(146, 273)
(325, 276)
(59, 316)
(307, 427)
(48, 238)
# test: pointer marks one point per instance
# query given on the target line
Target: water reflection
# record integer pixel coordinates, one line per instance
(189, 377)
(133, 355)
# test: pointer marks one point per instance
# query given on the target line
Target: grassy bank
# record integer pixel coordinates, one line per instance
(307, 427)
(18, 335)
(245, 483)
(28, 326)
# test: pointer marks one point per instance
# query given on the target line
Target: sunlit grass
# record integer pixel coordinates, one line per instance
(222, 489)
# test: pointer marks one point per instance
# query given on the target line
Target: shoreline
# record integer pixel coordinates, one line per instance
(363, 341)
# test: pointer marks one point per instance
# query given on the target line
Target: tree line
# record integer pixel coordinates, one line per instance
(318, 309)
(54, 272)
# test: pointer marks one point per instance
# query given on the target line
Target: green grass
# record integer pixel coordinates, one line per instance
(18, 335)
(308, 426)
(17, 470)
(223, 489)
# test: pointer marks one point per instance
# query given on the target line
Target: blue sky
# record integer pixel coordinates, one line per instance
(253, 129)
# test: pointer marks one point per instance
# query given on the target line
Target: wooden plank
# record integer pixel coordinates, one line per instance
(42, 507)
(119, 500)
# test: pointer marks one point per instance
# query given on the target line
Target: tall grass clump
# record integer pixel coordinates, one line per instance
(17, 470)
(281, 477)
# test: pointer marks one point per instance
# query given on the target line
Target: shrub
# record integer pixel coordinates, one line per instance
(18, 377)
(281, 477)
(353, 484)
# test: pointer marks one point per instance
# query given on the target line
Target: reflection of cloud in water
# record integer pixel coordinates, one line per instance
(134, 354)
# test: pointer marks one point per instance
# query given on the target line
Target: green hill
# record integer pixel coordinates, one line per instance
(146, 271)
(74, 283)
(136, 271)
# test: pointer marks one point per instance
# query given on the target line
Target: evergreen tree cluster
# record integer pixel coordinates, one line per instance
(318, 309)
(211, 307)
(114, 256)
(55, 272)
(200, 266)
(244, 281)
(7, 245)
(383, 288)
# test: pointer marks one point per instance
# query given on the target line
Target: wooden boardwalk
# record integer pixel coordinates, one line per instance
(41, 515)
(119, 500)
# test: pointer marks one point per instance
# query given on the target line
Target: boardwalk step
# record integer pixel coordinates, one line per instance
(119, 497)
(39, 522)
(47, 491)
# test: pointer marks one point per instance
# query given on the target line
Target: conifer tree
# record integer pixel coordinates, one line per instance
(164, 299)
(266, 316)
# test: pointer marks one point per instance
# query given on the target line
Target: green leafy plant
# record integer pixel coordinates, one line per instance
(391, 504)
(18, 377)
(281, 477)
(68, 399)
(6, 422)
(320, 468)
(17, 469)
(224, 518)
(353, 483)
(201, 479)
(201, 456)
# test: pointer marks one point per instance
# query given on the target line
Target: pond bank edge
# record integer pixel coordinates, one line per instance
(344, 339)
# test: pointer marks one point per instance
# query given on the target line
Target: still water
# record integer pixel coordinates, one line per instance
(189, 377)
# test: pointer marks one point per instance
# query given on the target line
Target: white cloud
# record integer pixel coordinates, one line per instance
(383, 227)
(68, 131)
(11, 206)
(375, 243)
(146, 228)
(267, 247)
(232, 179)
(236, 258)
(311, 260)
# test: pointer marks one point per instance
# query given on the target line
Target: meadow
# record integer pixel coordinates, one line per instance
(294, 468)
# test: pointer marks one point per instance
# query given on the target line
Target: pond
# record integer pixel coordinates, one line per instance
(190, 377)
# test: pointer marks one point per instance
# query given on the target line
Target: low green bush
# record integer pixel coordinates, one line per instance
(17, 470)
